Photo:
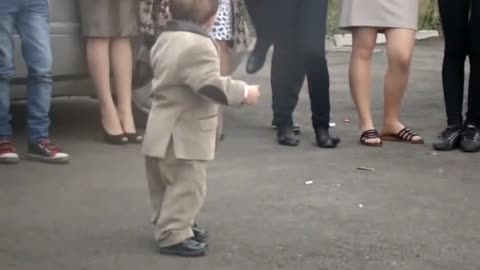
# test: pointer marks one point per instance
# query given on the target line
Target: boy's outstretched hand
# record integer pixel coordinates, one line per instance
(253, 94)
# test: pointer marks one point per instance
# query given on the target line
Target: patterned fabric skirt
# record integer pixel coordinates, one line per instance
(231, 22)
(223, 27)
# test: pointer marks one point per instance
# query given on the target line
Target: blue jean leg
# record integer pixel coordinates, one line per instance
(34, 30)
(7, 21)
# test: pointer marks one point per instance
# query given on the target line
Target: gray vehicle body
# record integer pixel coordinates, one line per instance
(69, 68)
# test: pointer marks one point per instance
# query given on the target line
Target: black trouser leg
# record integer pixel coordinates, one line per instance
(288, 70)
(287, 76)
(265, 27)
(300, 51)
(454, 15)
(312, 30)
(259, 11)
(473, 114)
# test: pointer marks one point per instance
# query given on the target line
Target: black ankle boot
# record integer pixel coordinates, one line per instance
(324, 140)
(286, 136)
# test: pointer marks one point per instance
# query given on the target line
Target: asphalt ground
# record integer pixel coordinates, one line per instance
(418, 209)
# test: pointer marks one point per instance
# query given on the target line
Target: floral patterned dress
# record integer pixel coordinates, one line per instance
(154, 16)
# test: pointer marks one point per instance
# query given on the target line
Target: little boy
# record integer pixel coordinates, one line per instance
(181, 132)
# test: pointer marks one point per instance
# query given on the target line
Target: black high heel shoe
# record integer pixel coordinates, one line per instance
(119, 139)
(134, 138)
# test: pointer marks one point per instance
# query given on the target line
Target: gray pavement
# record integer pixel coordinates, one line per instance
(418, 210)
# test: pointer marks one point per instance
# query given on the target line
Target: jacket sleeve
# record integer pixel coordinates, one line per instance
(201, 72)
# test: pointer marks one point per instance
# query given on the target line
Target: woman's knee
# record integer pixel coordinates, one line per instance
(364, 42)
(400, 46)
(400, 58)
(363, 52)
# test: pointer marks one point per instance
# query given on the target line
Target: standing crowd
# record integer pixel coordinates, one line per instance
(191, 78)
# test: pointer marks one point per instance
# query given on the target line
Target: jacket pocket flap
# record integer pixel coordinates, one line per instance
(210, 123)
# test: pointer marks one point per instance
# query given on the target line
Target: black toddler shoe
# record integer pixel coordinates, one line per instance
(200, 235)
(187, 248)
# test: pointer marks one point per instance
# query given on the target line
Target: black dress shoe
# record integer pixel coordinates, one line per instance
(200, 235)
(470, 139)
(286, 136)
(257, 57)
(325, 140)
(187, 248)
(449, 139)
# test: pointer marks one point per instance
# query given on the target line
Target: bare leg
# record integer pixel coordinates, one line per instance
(400, 45)
(99, 66)
(360, 73)
(225, 60)
(121, 58)
(225, 70)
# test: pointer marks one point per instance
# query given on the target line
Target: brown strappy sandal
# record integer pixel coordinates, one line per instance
(368, 135)
(405, 135)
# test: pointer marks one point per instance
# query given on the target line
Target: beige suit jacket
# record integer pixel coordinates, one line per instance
(186, 90)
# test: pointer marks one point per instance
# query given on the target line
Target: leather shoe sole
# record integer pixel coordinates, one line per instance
(187, 248)
(329, 143)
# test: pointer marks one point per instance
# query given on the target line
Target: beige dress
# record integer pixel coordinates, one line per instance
(109, 18)
(380, 13)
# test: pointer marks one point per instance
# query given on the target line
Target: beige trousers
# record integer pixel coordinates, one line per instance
(177, 193)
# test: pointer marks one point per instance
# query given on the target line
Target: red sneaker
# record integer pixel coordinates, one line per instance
(8, 154)
(44, 150)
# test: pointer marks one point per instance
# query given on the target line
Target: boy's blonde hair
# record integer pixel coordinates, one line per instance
(196, 11)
